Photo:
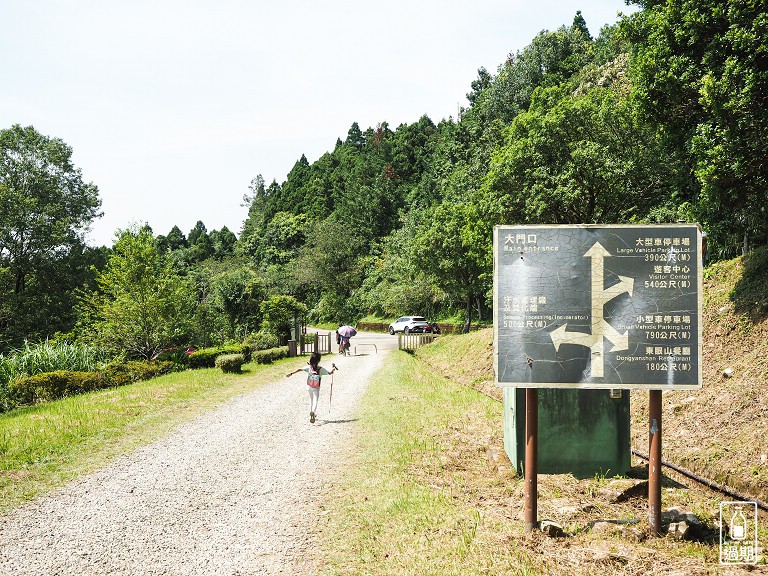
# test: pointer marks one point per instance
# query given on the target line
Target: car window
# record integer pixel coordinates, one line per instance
(419, 319)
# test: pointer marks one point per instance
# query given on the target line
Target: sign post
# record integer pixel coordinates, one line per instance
(654, 461)
(598, 307)
(531, 455)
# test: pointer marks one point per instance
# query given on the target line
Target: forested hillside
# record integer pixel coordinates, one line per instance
(660, 118)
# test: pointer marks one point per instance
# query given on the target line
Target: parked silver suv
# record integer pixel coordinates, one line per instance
(410, 324)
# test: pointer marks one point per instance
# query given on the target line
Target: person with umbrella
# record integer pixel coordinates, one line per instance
(344, 333)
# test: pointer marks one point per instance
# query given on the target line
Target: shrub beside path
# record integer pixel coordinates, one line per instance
(233, 492)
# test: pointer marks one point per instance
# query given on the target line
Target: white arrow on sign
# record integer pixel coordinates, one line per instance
(600, 327)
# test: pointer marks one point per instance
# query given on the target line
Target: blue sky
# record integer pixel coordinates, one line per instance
(173, 107)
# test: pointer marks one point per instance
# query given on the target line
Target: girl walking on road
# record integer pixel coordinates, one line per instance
(314, 374)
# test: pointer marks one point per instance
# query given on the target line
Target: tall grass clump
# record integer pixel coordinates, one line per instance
(46, 356)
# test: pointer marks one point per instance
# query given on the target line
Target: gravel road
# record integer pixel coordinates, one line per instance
(232, 492)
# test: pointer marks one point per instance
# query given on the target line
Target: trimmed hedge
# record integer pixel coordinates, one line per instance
(53, 385)
(61, 383)
(262, 341)
(230, 363)
(177, 354)
(269, 356)
(136, 371)
(48, 386)
(206, 357)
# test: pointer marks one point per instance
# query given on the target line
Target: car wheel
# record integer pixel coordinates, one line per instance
(407, 330)
(391, 331)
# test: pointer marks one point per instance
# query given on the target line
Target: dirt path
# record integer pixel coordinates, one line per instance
(231, 493)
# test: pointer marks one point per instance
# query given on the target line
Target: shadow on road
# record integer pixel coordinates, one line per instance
(323, 422)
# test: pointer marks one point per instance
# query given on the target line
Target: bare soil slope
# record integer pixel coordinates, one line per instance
(721, 431)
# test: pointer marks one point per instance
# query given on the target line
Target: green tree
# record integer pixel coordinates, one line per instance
(580, 155)
(329, 268)
(253, 225)
(284, 234)
(295, 189)
(260, 210)
(239, 293)
(203, 248)
(197, 247)
(394, 285)
(355, 137)
(453, 250)
(227, 294)
(176, 239)
(198, 231)
(279, 312)
(210, 324)
(551, 58)
(45, 210)
(484, 81)
(700, 71)
(143, 305)
(412, 151)
(223, 242)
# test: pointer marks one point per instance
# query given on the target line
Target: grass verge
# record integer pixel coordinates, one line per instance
(421, 497)
(44, 446)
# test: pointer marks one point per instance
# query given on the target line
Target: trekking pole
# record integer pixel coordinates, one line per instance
(330, 400)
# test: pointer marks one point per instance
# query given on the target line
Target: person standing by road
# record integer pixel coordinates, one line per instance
(343, 333)
(315, 372)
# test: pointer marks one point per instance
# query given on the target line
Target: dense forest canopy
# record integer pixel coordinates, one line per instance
(660, 118)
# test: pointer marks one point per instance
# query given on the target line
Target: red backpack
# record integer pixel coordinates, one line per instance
(313, 379)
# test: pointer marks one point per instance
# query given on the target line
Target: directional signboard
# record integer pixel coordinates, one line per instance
(592, 306)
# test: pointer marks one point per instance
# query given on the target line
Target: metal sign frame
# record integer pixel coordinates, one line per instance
(598, 306)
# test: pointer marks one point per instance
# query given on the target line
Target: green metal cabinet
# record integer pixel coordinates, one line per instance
(581, 431)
